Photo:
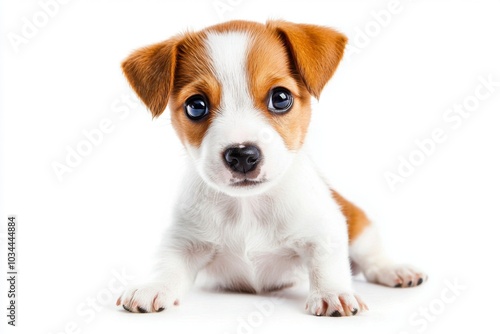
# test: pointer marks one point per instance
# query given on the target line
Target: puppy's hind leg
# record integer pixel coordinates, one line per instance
(366, 251)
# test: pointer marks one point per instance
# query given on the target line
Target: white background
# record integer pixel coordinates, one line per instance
(108, 213)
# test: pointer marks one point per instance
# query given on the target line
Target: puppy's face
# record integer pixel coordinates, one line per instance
(239, 95)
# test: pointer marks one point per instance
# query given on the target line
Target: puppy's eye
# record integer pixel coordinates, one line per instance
(280, 100)
(196, 107)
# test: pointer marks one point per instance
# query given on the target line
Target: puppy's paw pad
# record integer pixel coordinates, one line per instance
(334, 304)
(152, 297)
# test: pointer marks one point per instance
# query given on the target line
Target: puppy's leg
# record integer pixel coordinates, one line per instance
(330, 280)
(176, 272)
(367, 253)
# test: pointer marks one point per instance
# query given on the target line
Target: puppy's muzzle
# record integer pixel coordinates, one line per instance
(242, 158)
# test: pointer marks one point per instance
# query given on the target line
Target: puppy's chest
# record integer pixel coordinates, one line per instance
(252, 242)
(251, 229)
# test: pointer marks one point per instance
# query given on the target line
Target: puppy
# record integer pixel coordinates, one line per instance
(254, 212)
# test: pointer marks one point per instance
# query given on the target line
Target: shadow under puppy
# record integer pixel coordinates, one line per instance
(254, 210)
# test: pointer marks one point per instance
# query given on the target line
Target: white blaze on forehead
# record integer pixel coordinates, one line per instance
(236, 121)
(228, 52)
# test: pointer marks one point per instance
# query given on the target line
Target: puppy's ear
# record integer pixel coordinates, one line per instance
(150, 71)
(315, 51)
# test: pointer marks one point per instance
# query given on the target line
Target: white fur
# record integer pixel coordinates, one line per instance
(261, 237)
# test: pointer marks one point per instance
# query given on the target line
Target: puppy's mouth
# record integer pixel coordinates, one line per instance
(246, 183)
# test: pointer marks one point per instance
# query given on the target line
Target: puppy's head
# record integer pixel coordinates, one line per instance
(239, 95)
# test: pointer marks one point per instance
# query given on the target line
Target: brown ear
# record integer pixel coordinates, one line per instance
(150, 71)
(315, 51)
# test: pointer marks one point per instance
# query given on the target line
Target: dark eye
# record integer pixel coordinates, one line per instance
(280, 100)
(196, 107)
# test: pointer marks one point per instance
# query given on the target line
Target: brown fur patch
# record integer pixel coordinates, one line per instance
(357, 220)
(315, 51)
(150, 72)
(193, 75)
(175, 70)
(268, 67)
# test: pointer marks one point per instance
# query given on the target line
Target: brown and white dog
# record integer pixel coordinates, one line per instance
(254, 211)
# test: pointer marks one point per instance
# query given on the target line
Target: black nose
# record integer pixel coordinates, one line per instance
(243, 158)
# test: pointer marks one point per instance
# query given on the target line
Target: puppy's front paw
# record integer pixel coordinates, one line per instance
(334, 304)
(152, 297)
(398, 276)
